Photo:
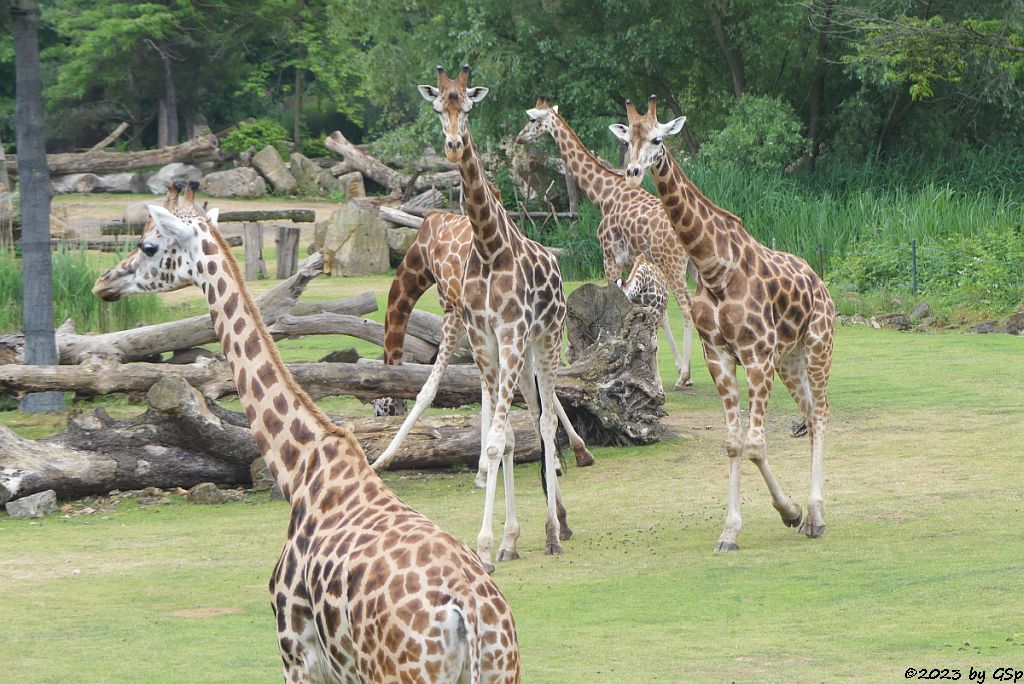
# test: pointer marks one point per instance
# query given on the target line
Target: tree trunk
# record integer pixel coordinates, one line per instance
(818, 85)
(181, 440)
(40, 347)
(385, 176)
(169, 103)
(733, 58)
(5, 180)
(101, 161)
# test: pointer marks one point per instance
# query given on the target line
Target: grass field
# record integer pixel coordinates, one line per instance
(922, 564)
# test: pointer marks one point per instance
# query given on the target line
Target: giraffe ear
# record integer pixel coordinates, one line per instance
(673, 126)
(555, 109)
(620, 132)
(535, 114)
(212, 215)
(478, 93)
(428, 92)
(169, 224)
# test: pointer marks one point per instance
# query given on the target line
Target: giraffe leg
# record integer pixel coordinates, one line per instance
(579, 447)
(451, 329)
(723, 372)
(760, 378)
(488, 380)
(546, 362)
(507, 551)
(677, 284)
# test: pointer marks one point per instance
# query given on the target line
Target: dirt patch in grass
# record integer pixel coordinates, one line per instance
(205, 612)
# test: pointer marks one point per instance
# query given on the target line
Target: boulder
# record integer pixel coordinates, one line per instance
(351, 185)
(985, 327)
(91, 182)
(239, 182)
(346, 355)
(1015, 324)
(270, 165)
(262, 480)
(356, 241)
(312, 179)
(921, 310)
(896, 321)
(399, 241)
(34, 506)
(176, 171)
(136, 212)
(209, 493)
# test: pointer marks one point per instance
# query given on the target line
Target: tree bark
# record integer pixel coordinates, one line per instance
(101, 161)
(167, 130)
(40, 347)
(182, 440)
(818, 84)
(375, 170)
(717, 10)
(294, 215)
(5, 180)
(114, 135)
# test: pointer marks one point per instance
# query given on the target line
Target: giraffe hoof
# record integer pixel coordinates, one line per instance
(584, 459)
(683, 384)
(726, 546)
(794, 522)
(811, 530)
(553, 549)
(481, 481)
(507, 555)
(564, 533)
(488, 567)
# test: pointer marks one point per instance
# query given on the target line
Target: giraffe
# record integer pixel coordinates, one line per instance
(632, 221)
(513, 308)
(765, 309)
(366, 589)
(437, 255)
(645, 285)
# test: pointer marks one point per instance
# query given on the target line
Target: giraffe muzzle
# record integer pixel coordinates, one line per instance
(634, 176)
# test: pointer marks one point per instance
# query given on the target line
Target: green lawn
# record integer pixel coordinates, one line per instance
(922, 564)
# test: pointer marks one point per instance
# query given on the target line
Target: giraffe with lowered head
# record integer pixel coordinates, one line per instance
(437, 255)
(632, 221)
(767, 310)
(513, 308)
(366, 589)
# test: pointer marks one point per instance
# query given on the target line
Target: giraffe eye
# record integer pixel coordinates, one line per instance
(656, 141)
(148, 248)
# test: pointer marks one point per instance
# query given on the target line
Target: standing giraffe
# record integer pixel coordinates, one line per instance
(366, 589)
(632, 221)
(438, 254)
(513, 308)
(768, 310)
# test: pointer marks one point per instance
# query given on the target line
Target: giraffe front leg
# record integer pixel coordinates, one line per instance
(546, 361)
(508, 551)
(723, 371)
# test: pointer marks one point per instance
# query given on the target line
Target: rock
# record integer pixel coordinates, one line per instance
(186, 356)
(356, 241)
(896, 321)
(34, 506)
(136, 212)
(262, 480)
(840, 319)
(921, 310)
(351, 185)
(1015, 324)
(238, 182)
(176, 171)
(312, 179)
(925, 322)
(858, 319)
(348, 355)
(276, 494)
(91, 182)
(985, 327)
(896, 302)
(209, 493)
(270, 165)
(399, 241)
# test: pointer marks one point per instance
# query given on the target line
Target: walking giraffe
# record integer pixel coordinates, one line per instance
(366, 589)
(632, 221)
(513, 308)
(438, 255)
(766, 309)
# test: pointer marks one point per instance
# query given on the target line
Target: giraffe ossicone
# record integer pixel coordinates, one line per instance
(765, 309)
(366, 588)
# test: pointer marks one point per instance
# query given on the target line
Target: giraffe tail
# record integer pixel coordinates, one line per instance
(468, 625)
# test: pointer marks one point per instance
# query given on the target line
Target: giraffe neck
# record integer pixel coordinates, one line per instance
(287, 425)
(492, 229)
(712, 237)
(598, 182)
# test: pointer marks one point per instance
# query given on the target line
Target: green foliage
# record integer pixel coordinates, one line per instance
(313, 145)
(73, 278)
(256, 133)
(760, 132)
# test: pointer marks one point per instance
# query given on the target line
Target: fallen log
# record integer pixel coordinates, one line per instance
(203, 148)
(91, 182)
(114, 135)
(611, 392)
(384, 175)
(294, 215)
(182, 440)
(118, 245)
(416, 350)
(399, 217)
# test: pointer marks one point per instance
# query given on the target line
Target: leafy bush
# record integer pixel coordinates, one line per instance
(73, 278)
(256, 133)
(313, 145)
(761, 132)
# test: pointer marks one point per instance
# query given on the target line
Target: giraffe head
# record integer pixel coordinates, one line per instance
(165, 257)
(644, 137)
(542, 120)
(452, 100)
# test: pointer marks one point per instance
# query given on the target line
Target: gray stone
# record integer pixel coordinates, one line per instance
(985, 327)
(276, 494)
(312, 179)
(239, 182)
(262, 480)
(209, 493)
(137, 212)
(1015, 324)
(270, 165)
(356, 241)
(399, 241)
(896, 321)
(858, 319)
(351, 185)
(921, 310)
(176, 171)
(33, 506)
(347, 355)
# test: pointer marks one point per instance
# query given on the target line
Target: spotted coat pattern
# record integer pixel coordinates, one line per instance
(366, 589)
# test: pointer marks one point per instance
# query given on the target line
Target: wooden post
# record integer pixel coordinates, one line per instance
(252, 238)
(5, 181)
(287, 251)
